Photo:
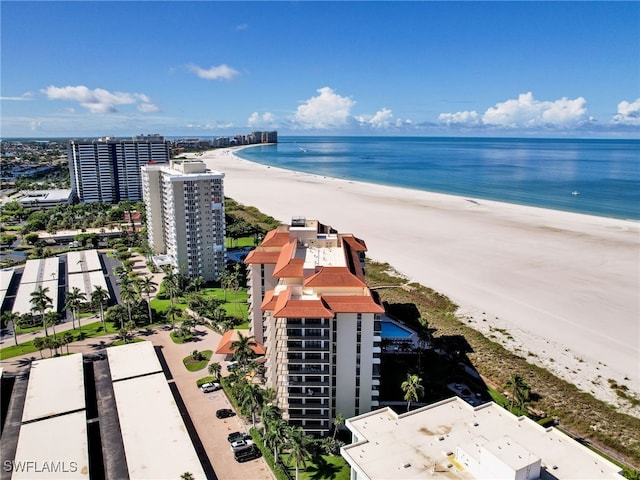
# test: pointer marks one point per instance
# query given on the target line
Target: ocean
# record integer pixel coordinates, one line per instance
(596, 177)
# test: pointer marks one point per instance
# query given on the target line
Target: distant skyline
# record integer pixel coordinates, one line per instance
(206, 69)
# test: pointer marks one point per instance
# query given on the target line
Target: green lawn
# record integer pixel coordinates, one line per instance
(194, 365)
(204, 380)
(240, 242)
(88, 331)
(235, 304)
(326, 466)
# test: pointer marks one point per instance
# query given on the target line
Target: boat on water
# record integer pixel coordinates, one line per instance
(575, 193)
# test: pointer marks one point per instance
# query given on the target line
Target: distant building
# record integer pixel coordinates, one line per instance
(453, 440)
(320, 326)
(108, 169)
(39, 199)
(185, 216)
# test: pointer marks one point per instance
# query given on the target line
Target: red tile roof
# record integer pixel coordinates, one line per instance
(352, 304)
(287, 266)
(334, 277)
(230, 336)
(275, 238)
(355, 243)
(258, 255)
(302, 308)
(269, 302)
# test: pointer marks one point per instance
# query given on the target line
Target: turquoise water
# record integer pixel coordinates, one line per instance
(604, 174)
(391, 330)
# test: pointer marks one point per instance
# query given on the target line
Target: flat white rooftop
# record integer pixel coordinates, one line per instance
(87, 282)
(423, 443)
(53, 448)
(56, 386)
(323, 256)
(22, 303)
(156, 442)
(41, 270)
(132, 360)
(6, 274)
(83, 261)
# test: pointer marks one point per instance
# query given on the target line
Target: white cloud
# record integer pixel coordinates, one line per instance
(524, 112)
(527, 112)
(98, 100)
(256, 120)
(326, 110)
(147, 107)
(465, 118)
(221, 72)
(382, 119)
(628, 113)
(25, 96)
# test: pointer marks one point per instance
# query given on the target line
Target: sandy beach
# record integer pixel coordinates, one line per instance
(565, 286)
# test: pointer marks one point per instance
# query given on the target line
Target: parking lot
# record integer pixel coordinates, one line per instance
(202, 408)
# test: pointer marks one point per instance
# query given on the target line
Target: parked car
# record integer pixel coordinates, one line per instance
(240, 445)
(231, 366)
(234, 436)
(210, 387)
(225, 413)
(249, 453)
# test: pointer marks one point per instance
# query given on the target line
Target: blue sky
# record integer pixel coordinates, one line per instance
(209, 69)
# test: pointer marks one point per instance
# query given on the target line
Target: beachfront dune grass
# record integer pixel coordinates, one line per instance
(577, 412)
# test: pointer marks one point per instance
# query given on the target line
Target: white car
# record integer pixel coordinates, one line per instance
(240, 445)
(210, 387)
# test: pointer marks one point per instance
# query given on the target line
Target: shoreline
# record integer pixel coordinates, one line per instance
(558, 288)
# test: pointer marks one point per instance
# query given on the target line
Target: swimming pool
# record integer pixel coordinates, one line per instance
(391, 330)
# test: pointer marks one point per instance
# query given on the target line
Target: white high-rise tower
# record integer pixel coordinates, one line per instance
(185, 216)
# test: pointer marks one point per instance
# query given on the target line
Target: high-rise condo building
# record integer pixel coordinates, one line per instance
(185, 216)
(320, 325)
(108, 169)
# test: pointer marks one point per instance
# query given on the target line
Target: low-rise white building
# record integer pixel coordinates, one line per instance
(453, 440)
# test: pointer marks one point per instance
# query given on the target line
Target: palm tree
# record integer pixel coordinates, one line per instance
(275, 435)
(242, 351)
(40, 343)
(128, 296)
(298, 447)
(172, 311)
(225, 282)
(214, 369)
(14, 319)
(187, 476)
(338, 421)
(146, 285)
(412, 388)
(67, 338)
(235, 283)
(74, 299)
(99, 297)
(197, 284)
(51, 318)
(268, 413)
(520, 391)
(219, 315)
(250, 400)
(171, 283)
(41, 302)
